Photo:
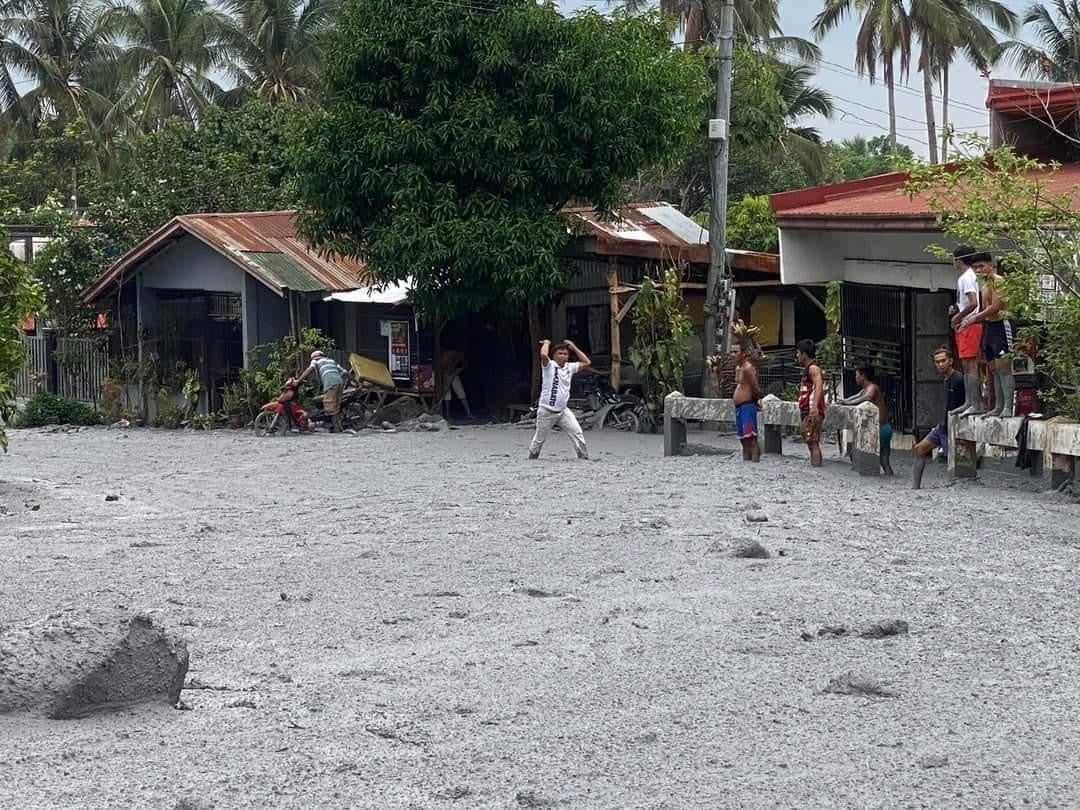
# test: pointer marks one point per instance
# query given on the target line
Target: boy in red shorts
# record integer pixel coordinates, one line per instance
(968, 334)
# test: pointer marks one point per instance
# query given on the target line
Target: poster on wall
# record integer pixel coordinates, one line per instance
(400, 363)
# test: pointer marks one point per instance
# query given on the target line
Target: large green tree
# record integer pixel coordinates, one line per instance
(232, 161)
(451, 137)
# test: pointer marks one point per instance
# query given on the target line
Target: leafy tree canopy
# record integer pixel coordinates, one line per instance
(19, 297)
(232, 161)
(450, 138)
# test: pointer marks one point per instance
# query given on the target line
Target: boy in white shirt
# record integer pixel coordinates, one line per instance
(551, 409)
(968, 334)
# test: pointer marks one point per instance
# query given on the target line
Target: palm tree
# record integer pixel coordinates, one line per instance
(757, 22)
(802, 99)
(1059, 58)
(62, 47)
(172, 46)
(947, 29)
(279, 51)
(885, 36)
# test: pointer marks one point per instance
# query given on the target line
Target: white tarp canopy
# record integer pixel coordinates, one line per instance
(393, 294)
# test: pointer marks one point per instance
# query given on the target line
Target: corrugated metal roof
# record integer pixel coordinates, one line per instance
(884, 198)
(263, 243)
(651, 229)
(659, 230)
(284, 272)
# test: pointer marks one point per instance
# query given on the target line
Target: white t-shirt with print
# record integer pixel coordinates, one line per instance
(967, 283)
(555, 385)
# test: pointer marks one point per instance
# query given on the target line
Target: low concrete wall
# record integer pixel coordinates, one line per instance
(775, 414)
(1054, 445)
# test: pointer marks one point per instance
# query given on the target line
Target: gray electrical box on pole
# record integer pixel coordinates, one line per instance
(720, 292)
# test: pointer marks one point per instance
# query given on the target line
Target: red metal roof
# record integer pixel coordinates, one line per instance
(263, 243)
(882, 202)
(1039, 98)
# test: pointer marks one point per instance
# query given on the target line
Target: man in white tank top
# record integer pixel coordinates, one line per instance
(551, 408)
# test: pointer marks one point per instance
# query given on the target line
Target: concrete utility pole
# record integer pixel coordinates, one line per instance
(720, 293)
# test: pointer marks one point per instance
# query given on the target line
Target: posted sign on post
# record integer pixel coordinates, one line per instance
(400, 358)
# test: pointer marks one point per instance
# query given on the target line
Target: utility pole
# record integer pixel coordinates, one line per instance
(720, 289)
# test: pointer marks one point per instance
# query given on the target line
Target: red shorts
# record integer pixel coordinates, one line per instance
(969, 342)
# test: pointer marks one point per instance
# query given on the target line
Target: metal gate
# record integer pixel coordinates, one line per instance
(932, 331)
(873, 321)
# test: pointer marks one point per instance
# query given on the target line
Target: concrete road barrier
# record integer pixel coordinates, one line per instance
(1054, 445)
(775, 415)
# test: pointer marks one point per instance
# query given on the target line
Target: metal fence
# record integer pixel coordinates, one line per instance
(82, 364)
(34, 373)
(71, 367)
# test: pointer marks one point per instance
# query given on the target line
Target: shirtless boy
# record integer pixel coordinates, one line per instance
(747, 402)
(997, 335)
(811, 399)
(871, 392)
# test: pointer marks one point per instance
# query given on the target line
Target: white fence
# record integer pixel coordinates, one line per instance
(81, 366)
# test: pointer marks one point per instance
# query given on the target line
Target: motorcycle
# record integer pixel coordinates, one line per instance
(596, 404)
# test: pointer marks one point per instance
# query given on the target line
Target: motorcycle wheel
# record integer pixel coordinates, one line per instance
(267, 423)
(622, 419)
(355, 415)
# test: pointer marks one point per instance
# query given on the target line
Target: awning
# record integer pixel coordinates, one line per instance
(392, 294)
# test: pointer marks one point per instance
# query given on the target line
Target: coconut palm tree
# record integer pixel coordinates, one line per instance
(63, 49)
(171, 48)
(757, 22)
(886, 32)
(1059, 58)
(279, 50)
(802, 99)
(948, 29)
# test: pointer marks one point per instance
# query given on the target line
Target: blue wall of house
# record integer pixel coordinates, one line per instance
(266, 316)
(191, 265)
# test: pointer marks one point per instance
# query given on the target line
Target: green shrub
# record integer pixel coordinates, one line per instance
(52, 409)
(169, 414)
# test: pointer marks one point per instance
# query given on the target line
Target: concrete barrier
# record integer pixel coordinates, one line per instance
(775, 415)
(1054, 444)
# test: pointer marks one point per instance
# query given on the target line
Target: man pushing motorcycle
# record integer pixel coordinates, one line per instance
(332, 379)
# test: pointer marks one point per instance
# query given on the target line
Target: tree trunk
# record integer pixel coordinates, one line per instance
(928, 100)
(890, 83)
(534, 348)
(945, 113)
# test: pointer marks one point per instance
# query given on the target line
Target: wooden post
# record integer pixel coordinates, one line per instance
(616, 334)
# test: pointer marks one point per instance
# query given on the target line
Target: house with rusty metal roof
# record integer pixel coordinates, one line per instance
(205, 289)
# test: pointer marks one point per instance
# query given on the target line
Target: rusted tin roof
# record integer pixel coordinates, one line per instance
(264, 244)
(659, 230)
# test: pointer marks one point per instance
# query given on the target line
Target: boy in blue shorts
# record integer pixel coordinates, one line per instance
(747, 398)
(938, 438)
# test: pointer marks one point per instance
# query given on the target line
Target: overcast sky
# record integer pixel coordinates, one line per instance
(861, 107)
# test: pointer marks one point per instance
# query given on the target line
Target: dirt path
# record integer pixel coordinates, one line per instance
(415, 620)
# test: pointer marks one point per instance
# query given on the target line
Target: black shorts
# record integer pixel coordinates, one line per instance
(997, 339)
